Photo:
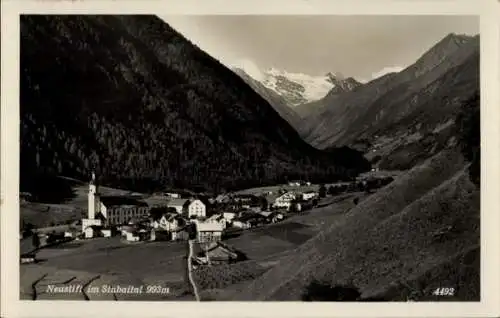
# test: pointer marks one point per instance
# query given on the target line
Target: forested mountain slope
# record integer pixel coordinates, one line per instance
(132, 98)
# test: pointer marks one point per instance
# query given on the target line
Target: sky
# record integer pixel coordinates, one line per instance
(360, 46)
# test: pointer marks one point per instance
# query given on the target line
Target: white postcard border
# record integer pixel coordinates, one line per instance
(489, 12)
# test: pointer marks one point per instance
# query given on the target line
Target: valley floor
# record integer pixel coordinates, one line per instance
(404, 241)
(110, 261)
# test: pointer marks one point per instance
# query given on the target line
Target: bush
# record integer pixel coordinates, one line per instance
(322, 191)
(318, 291)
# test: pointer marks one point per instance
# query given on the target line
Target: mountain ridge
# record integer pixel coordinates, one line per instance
(298, 88)
(391, 114)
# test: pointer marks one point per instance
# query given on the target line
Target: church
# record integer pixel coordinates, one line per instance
(105, 211)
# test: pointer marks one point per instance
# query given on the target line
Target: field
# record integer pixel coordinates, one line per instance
(109, 261)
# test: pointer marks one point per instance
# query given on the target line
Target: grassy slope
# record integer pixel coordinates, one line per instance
(387, 237)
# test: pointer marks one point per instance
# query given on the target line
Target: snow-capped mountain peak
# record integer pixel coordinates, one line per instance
(298, 88)
(295, 88)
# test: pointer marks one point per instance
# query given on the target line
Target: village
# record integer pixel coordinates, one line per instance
(240, 229)
(173, 217)
(170, 216)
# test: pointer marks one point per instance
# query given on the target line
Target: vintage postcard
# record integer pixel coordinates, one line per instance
(281, 158)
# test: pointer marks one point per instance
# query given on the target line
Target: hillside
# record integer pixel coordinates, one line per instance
(418, 233)
(133, 99)
(395, 114)
(277, 101)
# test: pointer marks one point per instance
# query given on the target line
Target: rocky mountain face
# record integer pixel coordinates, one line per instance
(278, 102)
(134, 100)
(297, 89)
(401, 117)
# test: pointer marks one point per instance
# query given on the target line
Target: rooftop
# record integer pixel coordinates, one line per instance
(209, 227)
(177, 202)
(128, 201)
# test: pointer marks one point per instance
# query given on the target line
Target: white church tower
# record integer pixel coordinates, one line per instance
(93, 198)
(94, 207)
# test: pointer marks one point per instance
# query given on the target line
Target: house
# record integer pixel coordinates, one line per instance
(215, 253)
(197, 208)
(272, 217)
(284, 201)
(222, 198)
(208, 231)
(309, 195)
(247, 199)
(168, 222)
(96, 231)
(132, 236)
(28, 258)
(229, 216)
(134, 233)
(242, 224)
(190, 208)
(173, 195)
(248, 220)
(218, 218)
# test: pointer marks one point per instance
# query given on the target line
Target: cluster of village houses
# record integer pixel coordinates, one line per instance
(167, 216)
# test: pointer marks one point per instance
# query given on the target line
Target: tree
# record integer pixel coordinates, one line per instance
(35, 241)
(264, 205)
(322, 191)
(157, 212)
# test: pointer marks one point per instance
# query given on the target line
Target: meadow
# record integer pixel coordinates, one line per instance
(109, 261)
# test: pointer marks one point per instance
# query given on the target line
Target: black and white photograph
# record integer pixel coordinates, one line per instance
(270, 158)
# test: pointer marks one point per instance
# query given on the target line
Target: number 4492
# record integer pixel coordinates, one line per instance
(444, 291)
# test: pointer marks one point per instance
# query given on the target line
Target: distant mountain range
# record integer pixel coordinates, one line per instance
(134, 100)
(298, 88)
(400, 116)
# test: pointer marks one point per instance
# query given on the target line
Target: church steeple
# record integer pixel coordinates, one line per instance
(93, 197)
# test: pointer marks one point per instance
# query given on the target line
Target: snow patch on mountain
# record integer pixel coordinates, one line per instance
(295, 88)
(314, 87)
